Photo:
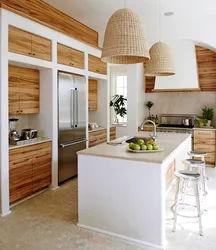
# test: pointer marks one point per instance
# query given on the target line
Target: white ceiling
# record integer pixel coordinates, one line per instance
(95, 13)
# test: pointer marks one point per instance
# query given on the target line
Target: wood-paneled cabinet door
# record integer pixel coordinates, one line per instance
(77, 58)
(64, 55)
(13, 91)
(20, 179)
(41, 48)
(96, 65)
(19, 41)
(41, 171)
(29, 91)
(92, 95)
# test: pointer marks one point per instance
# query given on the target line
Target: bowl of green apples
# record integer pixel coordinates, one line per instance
(142, 146)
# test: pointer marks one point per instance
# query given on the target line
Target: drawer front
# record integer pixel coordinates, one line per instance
(20, 179)
(204, 134)
(204, 141)
(204, 148)
(97, 137)
(210, 158)
(28, 151)
(41, 171)
(112, 134)
(96, 65)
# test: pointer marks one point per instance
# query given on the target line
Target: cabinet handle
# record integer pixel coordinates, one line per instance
(30, 54)
(42, 155)
(21, 111)
(33, 150)
(20, 162)
(33, 54)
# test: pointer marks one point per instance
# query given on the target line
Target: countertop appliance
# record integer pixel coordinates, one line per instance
(71, 123)
(13, 134)
(29, 133)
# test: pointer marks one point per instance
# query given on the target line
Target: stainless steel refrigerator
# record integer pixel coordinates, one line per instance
(72, 123)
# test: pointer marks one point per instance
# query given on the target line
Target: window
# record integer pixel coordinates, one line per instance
(118, 87)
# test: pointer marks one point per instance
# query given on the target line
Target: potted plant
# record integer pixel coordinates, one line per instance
(118, 103)
(200, 122)
(208, 114)
(149, 105)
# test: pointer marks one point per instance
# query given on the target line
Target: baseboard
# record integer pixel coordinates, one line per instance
(121, 237)
(5, 214)
(54, 188)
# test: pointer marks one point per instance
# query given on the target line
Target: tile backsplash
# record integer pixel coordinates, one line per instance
(181, 103)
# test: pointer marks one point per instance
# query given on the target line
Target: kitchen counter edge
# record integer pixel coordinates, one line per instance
(29, 144)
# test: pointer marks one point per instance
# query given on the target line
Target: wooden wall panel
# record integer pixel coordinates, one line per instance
(149, 84)
(92, 95)
(47, 15)
(206, 63)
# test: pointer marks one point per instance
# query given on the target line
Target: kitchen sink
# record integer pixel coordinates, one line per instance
(135, 139)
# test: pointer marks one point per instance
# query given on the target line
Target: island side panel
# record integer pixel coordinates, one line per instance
(122, 197)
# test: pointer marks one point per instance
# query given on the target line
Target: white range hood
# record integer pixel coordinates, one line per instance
(185, 65)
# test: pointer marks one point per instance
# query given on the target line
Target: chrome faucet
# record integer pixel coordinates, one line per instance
(154, 136)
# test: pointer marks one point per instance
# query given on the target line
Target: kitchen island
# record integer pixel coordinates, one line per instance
(123, 193)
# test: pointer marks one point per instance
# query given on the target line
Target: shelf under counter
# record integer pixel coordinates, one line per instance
(40, 140)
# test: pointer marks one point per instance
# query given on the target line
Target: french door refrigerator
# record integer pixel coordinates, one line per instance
(71, 123)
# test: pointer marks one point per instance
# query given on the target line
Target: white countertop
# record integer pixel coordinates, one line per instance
(168, 141)
(96, 129)
(40, 140)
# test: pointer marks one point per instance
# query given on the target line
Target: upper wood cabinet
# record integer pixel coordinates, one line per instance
(92, 95)
(28, 44)
(206, 62)
(23, 90)
(149, 83)
(96, 65)
(70, 57)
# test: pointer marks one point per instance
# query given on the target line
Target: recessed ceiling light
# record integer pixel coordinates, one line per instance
(168, 14)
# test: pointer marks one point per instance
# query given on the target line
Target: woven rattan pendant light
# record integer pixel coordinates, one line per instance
(161, 62)
(125, 39)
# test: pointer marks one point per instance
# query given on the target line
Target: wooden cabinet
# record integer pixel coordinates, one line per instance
(70, 57)
(96, 65)
(97, 137)
(29, 170)
(204, 141)
(20, 178)
(28, 44)
(41, 171)
(23, 90)
(169, 174)
(92, 95)
(112, 133)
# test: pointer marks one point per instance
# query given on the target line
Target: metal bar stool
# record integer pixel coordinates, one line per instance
(194, 178)
(198, 166)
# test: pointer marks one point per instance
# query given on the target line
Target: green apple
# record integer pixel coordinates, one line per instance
(143, 147)
(155, 147)
(149, 147)
(140, 142)
(136, 147)
(131, 145)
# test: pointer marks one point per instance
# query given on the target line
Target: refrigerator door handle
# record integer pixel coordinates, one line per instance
(64, 145)
(76, 107)
(72, 110)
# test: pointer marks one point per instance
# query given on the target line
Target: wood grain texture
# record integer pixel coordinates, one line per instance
(70, 57)
(41, 171)
(26, 82)
(112, 133)
(20, 178)
(19, 41)
(169, 174)
(92, 95)
(41, 48)
(206, 62)
(96, 65)
(13, 91)
(29, 170)
(97, 137)
(41, 12)
(149, 84)
(204, 134)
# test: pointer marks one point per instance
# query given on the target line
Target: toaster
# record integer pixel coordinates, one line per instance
(29, 133)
